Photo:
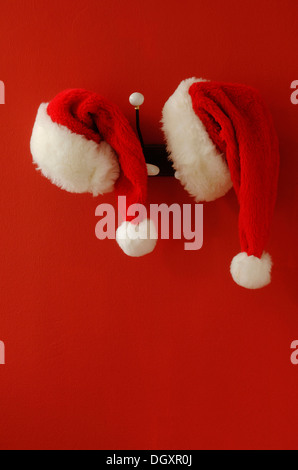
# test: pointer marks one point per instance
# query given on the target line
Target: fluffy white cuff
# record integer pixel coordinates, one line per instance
(201, 169)
(137, 240)
(251, 272)
(71, 161)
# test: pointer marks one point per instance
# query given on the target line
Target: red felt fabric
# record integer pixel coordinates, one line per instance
(240, 125)
(92, 116)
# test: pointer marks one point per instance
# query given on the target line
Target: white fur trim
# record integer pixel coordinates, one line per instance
(199, 166)
(251, 272)
(71, 161)
(137, 240)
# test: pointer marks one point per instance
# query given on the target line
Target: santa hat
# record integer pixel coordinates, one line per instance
(220, 135)
(84, 144)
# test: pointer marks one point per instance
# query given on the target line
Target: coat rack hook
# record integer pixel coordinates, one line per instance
(156, 156)
(136, 100)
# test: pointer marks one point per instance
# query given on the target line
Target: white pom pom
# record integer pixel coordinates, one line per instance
(137, 240)
(136, 99)
(251, 272)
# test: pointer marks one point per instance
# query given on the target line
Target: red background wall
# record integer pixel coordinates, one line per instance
(104, 351)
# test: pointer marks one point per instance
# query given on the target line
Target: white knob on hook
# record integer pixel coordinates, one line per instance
(136, 99)
(152, 170)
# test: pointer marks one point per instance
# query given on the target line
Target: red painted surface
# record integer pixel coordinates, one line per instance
(104, 351)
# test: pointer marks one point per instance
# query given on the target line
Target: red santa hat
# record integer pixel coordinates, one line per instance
(222, 135)
(84, 144)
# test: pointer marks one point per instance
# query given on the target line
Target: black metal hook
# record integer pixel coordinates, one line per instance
(155, 154)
